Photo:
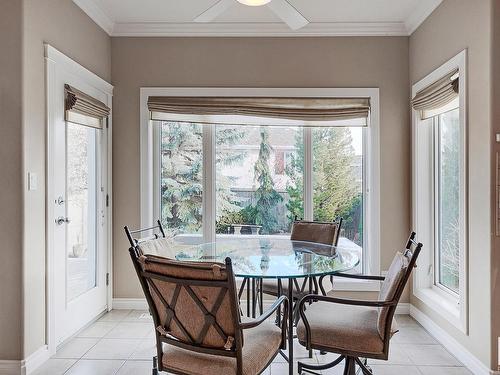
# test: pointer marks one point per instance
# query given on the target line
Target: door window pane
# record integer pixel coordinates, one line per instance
(449, 200)
(258, 179)
(81, 185)
(338, 180)
(181, 185)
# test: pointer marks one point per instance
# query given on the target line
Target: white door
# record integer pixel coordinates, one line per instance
(79, 227)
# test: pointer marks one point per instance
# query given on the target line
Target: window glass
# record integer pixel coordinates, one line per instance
(448, 223)
(338, 181)
(257, 178)
(181, 185)
(81, 192)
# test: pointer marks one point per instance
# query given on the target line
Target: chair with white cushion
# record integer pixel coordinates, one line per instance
(354, 328)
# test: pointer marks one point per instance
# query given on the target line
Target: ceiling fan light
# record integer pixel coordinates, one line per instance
(254, 3)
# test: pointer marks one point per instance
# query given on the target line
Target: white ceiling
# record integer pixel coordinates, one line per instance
(326, 17)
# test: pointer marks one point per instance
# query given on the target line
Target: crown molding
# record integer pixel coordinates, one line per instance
(97, 14)
(420, 14)
(257, 29)
(228, 29)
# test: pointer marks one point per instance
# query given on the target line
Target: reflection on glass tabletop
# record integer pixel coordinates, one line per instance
(275, 257)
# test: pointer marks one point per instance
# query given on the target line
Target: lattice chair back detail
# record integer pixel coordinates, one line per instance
(190, 313)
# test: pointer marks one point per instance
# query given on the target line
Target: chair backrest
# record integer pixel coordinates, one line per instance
(314, 231)
(155, 244)
(194, 304)
(157, 232)
(395, 281)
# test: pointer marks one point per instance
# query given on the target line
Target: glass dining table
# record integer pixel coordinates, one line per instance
(255, 259)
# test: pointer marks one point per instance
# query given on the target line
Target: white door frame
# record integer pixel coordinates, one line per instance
(55, 64)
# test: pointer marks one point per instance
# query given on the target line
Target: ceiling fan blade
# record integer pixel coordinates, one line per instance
(288, 14)
(214, 11)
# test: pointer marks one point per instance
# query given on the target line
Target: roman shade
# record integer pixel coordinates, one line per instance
(251, 110)
(83, 109)
(437, 95)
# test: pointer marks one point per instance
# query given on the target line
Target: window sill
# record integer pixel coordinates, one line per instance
(444, 305)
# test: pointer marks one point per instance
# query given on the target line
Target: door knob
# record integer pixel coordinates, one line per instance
(61, 220)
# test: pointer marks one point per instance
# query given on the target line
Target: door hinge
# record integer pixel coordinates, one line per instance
(107, 278)
(107, 200)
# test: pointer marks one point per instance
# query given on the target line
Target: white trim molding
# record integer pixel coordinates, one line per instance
(141, 304)
(453, 346)
(35, 360)
(105, 20)
(130, 304)
(214, 29)
(453, 308)
(420, 14)
(58, 65)
(97, 14)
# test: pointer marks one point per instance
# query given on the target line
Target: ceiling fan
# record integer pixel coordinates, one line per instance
(282, 8)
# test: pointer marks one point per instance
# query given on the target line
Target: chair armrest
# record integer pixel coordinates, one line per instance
(344, 301)
(261, 319)
(348, 276)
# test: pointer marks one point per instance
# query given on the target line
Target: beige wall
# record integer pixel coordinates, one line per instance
(495, 149)
(452, 27)
(11, 183)
(66, 27)
(260, 62)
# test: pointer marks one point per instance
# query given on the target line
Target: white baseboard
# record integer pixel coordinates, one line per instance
(130, 304)
(141, 304)
(453, 346)
(26, 366)
(10, 367)
(35, 360)
(403, 309)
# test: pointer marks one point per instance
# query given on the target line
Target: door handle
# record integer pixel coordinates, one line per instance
(61, 220)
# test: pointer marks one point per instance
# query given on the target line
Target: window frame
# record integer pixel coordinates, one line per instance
(426, 287)
(149, 192)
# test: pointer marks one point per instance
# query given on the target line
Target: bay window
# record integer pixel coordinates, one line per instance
(439, 190)
(208, 177)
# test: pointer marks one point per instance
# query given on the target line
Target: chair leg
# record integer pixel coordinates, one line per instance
(306, 368)
(155, 366)
(350, 366)
(363, 365)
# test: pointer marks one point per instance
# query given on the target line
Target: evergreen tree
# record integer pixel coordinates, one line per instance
(181, 175)
(335, 190)
(267, 196)
(335, 185)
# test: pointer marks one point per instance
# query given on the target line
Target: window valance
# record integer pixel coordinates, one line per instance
(312, 111)
(437, 95)
(83, 109)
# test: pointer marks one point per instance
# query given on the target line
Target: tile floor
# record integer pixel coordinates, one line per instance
(122, 343)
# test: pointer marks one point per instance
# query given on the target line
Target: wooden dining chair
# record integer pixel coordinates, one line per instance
(326, 233)
(197, 322)
(354, 328)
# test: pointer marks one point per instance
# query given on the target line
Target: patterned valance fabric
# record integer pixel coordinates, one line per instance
(83, 109)
(438, 94)
(301, 109)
